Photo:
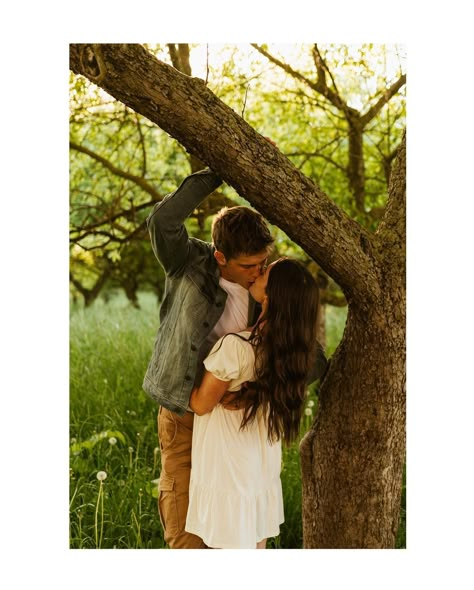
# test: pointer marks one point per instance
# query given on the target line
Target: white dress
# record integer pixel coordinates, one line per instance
(235, 493)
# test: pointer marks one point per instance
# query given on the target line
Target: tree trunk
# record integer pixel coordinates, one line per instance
(321, 326)
(353, 456)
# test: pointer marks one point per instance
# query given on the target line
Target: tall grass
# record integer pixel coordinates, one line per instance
(113, 430)
(113, 426)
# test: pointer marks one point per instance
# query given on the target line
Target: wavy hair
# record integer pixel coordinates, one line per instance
(285, 350)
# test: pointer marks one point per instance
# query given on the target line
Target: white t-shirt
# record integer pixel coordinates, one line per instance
(234, 318)
(235, 315)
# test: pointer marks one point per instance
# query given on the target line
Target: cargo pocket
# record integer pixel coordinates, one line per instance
(167, 506)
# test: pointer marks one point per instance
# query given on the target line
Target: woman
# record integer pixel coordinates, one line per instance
(235, 494)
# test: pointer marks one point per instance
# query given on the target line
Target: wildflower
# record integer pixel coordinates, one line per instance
(101, 475)
(310, 403)
(308, 412)
(112, 440)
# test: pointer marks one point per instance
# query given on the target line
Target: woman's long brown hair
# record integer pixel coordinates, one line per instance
(285, 346)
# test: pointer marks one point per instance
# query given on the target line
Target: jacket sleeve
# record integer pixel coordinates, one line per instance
(169, 238)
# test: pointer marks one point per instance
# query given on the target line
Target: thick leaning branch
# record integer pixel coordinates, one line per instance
(186, 109)
(383, 100)
(392, 228)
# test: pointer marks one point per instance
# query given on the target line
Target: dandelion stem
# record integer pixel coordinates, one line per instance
(101, 517)
(100, 500)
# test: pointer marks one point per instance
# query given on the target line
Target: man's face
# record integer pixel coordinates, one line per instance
(259, 288)
(242, 270)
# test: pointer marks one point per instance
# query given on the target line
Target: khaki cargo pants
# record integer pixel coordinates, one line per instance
(175, 435)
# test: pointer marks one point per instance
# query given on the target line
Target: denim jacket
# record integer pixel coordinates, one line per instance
(193, 301)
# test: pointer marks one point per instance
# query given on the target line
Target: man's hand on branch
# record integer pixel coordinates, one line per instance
(270, 140)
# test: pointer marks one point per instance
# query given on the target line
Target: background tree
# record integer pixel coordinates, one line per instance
(353, 456)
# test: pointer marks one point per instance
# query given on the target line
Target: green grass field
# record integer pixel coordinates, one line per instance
(113, 431)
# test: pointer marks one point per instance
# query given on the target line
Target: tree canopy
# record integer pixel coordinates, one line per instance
(337, 112)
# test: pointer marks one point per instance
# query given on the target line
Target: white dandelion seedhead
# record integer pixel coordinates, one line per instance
(308, 412)
(112, 440)
(101, 475)
(310, 403)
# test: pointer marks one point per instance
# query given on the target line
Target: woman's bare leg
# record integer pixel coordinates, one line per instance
(262, 544)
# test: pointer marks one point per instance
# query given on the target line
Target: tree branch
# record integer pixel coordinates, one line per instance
(140, 181)
(174, 55)
(386, 96)
(287, 68)
(392, 228)
(321, 86)
(140, 229)
(186, 109)
(183, 50)
(127, 213)
(309, 155)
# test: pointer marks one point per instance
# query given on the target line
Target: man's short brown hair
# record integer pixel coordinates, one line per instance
(240, 231)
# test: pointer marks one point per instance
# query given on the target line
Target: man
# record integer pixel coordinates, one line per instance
(206, 296)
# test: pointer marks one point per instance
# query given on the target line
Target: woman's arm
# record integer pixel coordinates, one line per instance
(205, 397)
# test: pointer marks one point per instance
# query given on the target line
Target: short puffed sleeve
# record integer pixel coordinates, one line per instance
(231, 359)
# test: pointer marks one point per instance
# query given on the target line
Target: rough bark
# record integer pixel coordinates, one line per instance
(352, 458)
(190, 112)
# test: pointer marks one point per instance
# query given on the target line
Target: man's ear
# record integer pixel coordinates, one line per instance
(221, 259)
